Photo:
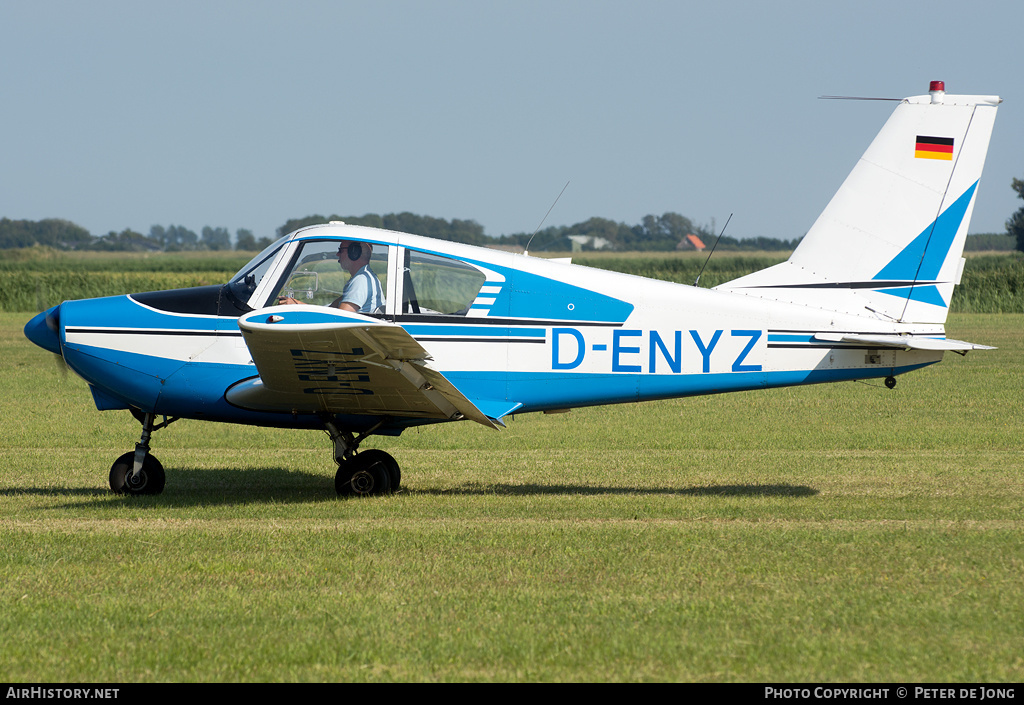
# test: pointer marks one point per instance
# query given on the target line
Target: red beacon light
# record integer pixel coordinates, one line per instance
(937, 89)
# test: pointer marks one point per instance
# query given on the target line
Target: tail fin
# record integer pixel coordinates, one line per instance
(890, 242)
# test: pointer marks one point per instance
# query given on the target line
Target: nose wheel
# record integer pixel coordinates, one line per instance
(148, 480)
(137, 472)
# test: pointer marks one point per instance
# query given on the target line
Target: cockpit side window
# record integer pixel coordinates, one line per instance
(438, 285)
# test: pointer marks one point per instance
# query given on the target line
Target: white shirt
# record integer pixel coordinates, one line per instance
(364, 291)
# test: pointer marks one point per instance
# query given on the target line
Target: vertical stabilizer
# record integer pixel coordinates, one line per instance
(891, 240)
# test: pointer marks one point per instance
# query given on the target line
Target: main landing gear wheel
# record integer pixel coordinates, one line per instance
(367, 474)
(394, 473)
(149, 480)
(372, 472)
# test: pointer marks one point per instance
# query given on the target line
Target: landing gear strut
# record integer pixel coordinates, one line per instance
(137, 472)
(371, 472)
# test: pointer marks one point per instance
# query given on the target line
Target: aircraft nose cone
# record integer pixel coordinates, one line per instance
(44, 330)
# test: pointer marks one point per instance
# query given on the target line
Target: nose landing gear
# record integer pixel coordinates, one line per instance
(137, 472)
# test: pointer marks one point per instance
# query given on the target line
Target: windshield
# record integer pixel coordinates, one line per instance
(244, 283)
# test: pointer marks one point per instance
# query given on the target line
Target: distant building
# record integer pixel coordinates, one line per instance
(581, 241)
(691, 242)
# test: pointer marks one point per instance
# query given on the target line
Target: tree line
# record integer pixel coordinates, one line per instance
(65, 235)
(1015, 223)
(654, 233)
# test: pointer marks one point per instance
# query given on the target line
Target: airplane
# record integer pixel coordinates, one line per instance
(457, 332)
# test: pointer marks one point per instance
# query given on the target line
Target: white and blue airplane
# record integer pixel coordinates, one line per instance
(360, 331)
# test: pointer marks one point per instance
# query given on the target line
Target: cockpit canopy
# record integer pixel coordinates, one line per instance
(309, 270)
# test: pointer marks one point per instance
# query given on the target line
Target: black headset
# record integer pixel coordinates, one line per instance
(355, 251)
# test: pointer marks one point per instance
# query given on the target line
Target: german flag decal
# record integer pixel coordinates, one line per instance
(934, 148)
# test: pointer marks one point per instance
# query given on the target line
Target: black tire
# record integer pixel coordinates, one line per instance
(362, 477)
(394, 472)
(150, 480)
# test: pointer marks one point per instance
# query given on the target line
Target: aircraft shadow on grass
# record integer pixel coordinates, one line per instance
(226, 486)
(203, 487)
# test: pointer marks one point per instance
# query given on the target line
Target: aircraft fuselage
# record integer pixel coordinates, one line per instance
(543, 336)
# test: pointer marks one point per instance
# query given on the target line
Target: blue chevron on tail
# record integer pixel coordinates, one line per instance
(919, 263)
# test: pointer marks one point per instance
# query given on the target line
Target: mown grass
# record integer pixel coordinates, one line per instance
(830, 533)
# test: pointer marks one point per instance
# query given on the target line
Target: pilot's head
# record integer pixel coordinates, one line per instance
(353, 254)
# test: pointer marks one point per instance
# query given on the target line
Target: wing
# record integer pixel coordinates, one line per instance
(315, 359)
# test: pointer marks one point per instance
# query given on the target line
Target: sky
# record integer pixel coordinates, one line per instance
(245, 114)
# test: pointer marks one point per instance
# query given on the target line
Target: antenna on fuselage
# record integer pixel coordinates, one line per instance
(526, 250)
(712, 249)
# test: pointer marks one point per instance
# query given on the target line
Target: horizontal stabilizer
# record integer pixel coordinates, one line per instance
(905, 342)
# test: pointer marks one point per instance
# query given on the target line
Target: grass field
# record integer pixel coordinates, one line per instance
(831, 533)
(33, 279)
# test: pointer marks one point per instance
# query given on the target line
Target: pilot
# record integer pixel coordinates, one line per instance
(363, 292)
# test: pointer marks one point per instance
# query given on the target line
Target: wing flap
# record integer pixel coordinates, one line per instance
(316, 359)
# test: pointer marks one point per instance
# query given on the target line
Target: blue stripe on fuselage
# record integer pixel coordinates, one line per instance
(477, 330)
(560, 390)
